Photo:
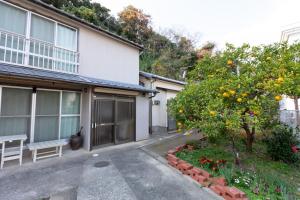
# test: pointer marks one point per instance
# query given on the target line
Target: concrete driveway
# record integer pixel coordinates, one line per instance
(128, 172)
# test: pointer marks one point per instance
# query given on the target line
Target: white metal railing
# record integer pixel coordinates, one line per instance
(16, 49)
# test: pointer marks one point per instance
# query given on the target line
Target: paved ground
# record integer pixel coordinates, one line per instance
(134, 172)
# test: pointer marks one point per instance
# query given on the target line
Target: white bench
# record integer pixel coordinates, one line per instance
(57, 144)
(12, 153)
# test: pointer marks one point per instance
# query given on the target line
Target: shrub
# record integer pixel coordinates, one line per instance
(197, 144)
(280, 142)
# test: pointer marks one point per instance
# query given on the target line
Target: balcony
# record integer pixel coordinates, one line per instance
(16, 49)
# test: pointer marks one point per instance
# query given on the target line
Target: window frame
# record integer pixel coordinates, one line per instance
(28, 27)
(33, 108)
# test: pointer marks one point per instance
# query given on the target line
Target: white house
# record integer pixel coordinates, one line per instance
(288, 106)
(59, 73)
(160, 120)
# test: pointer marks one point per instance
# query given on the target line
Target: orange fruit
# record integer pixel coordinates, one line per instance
(278, 98)
(213, 113)
(180, 111)
(229, 62)
(239, 100)
(232, 92)
(245, 94)
(225, 94)
(280, 80)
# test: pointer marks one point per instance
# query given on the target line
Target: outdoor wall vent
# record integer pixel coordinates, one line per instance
(156, 102)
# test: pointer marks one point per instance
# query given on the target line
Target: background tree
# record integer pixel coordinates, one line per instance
(167, 54)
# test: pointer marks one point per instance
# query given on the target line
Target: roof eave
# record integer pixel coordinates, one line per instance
(106, 32)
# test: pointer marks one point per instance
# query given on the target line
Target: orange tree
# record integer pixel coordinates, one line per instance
(236, 89)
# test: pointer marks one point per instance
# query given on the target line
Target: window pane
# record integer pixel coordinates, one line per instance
(69, 126)
(66, 38)
(14, 126)
(47, 115)
(15, 102)
(71, 103)
(12, 19)
(47, 103)
(42, 29)
(46, 128)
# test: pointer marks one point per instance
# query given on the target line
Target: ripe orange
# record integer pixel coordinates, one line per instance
(225, 94)
(232, 92)
(245, 94)
(229, 62)
(278, 98)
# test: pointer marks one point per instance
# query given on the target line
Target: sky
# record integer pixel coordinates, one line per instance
(220, 21)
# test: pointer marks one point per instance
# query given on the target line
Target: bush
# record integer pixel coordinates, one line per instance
(197, 144)
(280, 142)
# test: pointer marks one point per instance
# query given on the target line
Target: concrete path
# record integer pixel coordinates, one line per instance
(133, 173)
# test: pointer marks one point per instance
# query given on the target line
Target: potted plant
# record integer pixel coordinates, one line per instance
(76, 140)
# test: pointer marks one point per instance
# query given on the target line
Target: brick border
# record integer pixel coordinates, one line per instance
(217, 184)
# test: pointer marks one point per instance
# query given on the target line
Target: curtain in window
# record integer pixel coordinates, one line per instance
(15, 111)
(66, 37)
(47, 116)
(42, 29)
(70, 120)
(12, 19)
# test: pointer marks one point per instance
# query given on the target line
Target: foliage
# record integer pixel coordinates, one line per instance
(165, 54)
(259, 177)
(214, 165)
(196, 144)
(280, 142)
(236, 89)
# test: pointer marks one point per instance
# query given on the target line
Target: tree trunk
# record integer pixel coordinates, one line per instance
(250, 137)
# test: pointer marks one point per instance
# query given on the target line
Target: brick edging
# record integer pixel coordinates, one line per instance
(217, 184)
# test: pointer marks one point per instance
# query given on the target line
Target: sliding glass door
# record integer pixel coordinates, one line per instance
(47, 116)
(15, 111)
(124, 120)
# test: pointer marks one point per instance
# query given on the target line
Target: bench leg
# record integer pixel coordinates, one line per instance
(21, 153)
(34, 155)
(2, 155)
(60, 151)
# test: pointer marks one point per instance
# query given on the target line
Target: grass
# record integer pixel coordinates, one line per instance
(287, 176)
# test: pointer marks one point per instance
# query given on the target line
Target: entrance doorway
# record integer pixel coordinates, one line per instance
(113, 120)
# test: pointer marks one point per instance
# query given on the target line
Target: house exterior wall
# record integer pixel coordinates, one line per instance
(104, 58)
(167, 90)
(142, 117)
(100, 55)
(86, 117)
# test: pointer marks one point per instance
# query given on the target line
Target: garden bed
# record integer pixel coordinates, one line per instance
(257, 176)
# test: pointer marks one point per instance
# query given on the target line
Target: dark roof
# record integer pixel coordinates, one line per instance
(27, 72)
(154, 76)
(73, 17)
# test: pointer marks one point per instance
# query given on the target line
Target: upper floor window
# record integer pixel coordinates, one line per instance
(32, 40)
(12, 19)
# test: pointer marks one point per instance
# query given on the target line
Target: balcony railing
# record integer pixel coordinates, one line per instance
(16, 49)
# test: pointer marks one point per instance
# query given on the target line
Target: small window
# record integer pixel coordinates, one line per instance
(66, 38)
(12, 19)
(42, 29)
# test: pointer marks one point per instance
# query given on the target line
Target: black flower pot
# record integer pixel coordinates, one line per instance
(76, 141)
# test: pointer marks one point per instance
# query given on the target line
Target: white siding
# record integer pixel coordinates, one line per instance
(142, 118)
(105, 58)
